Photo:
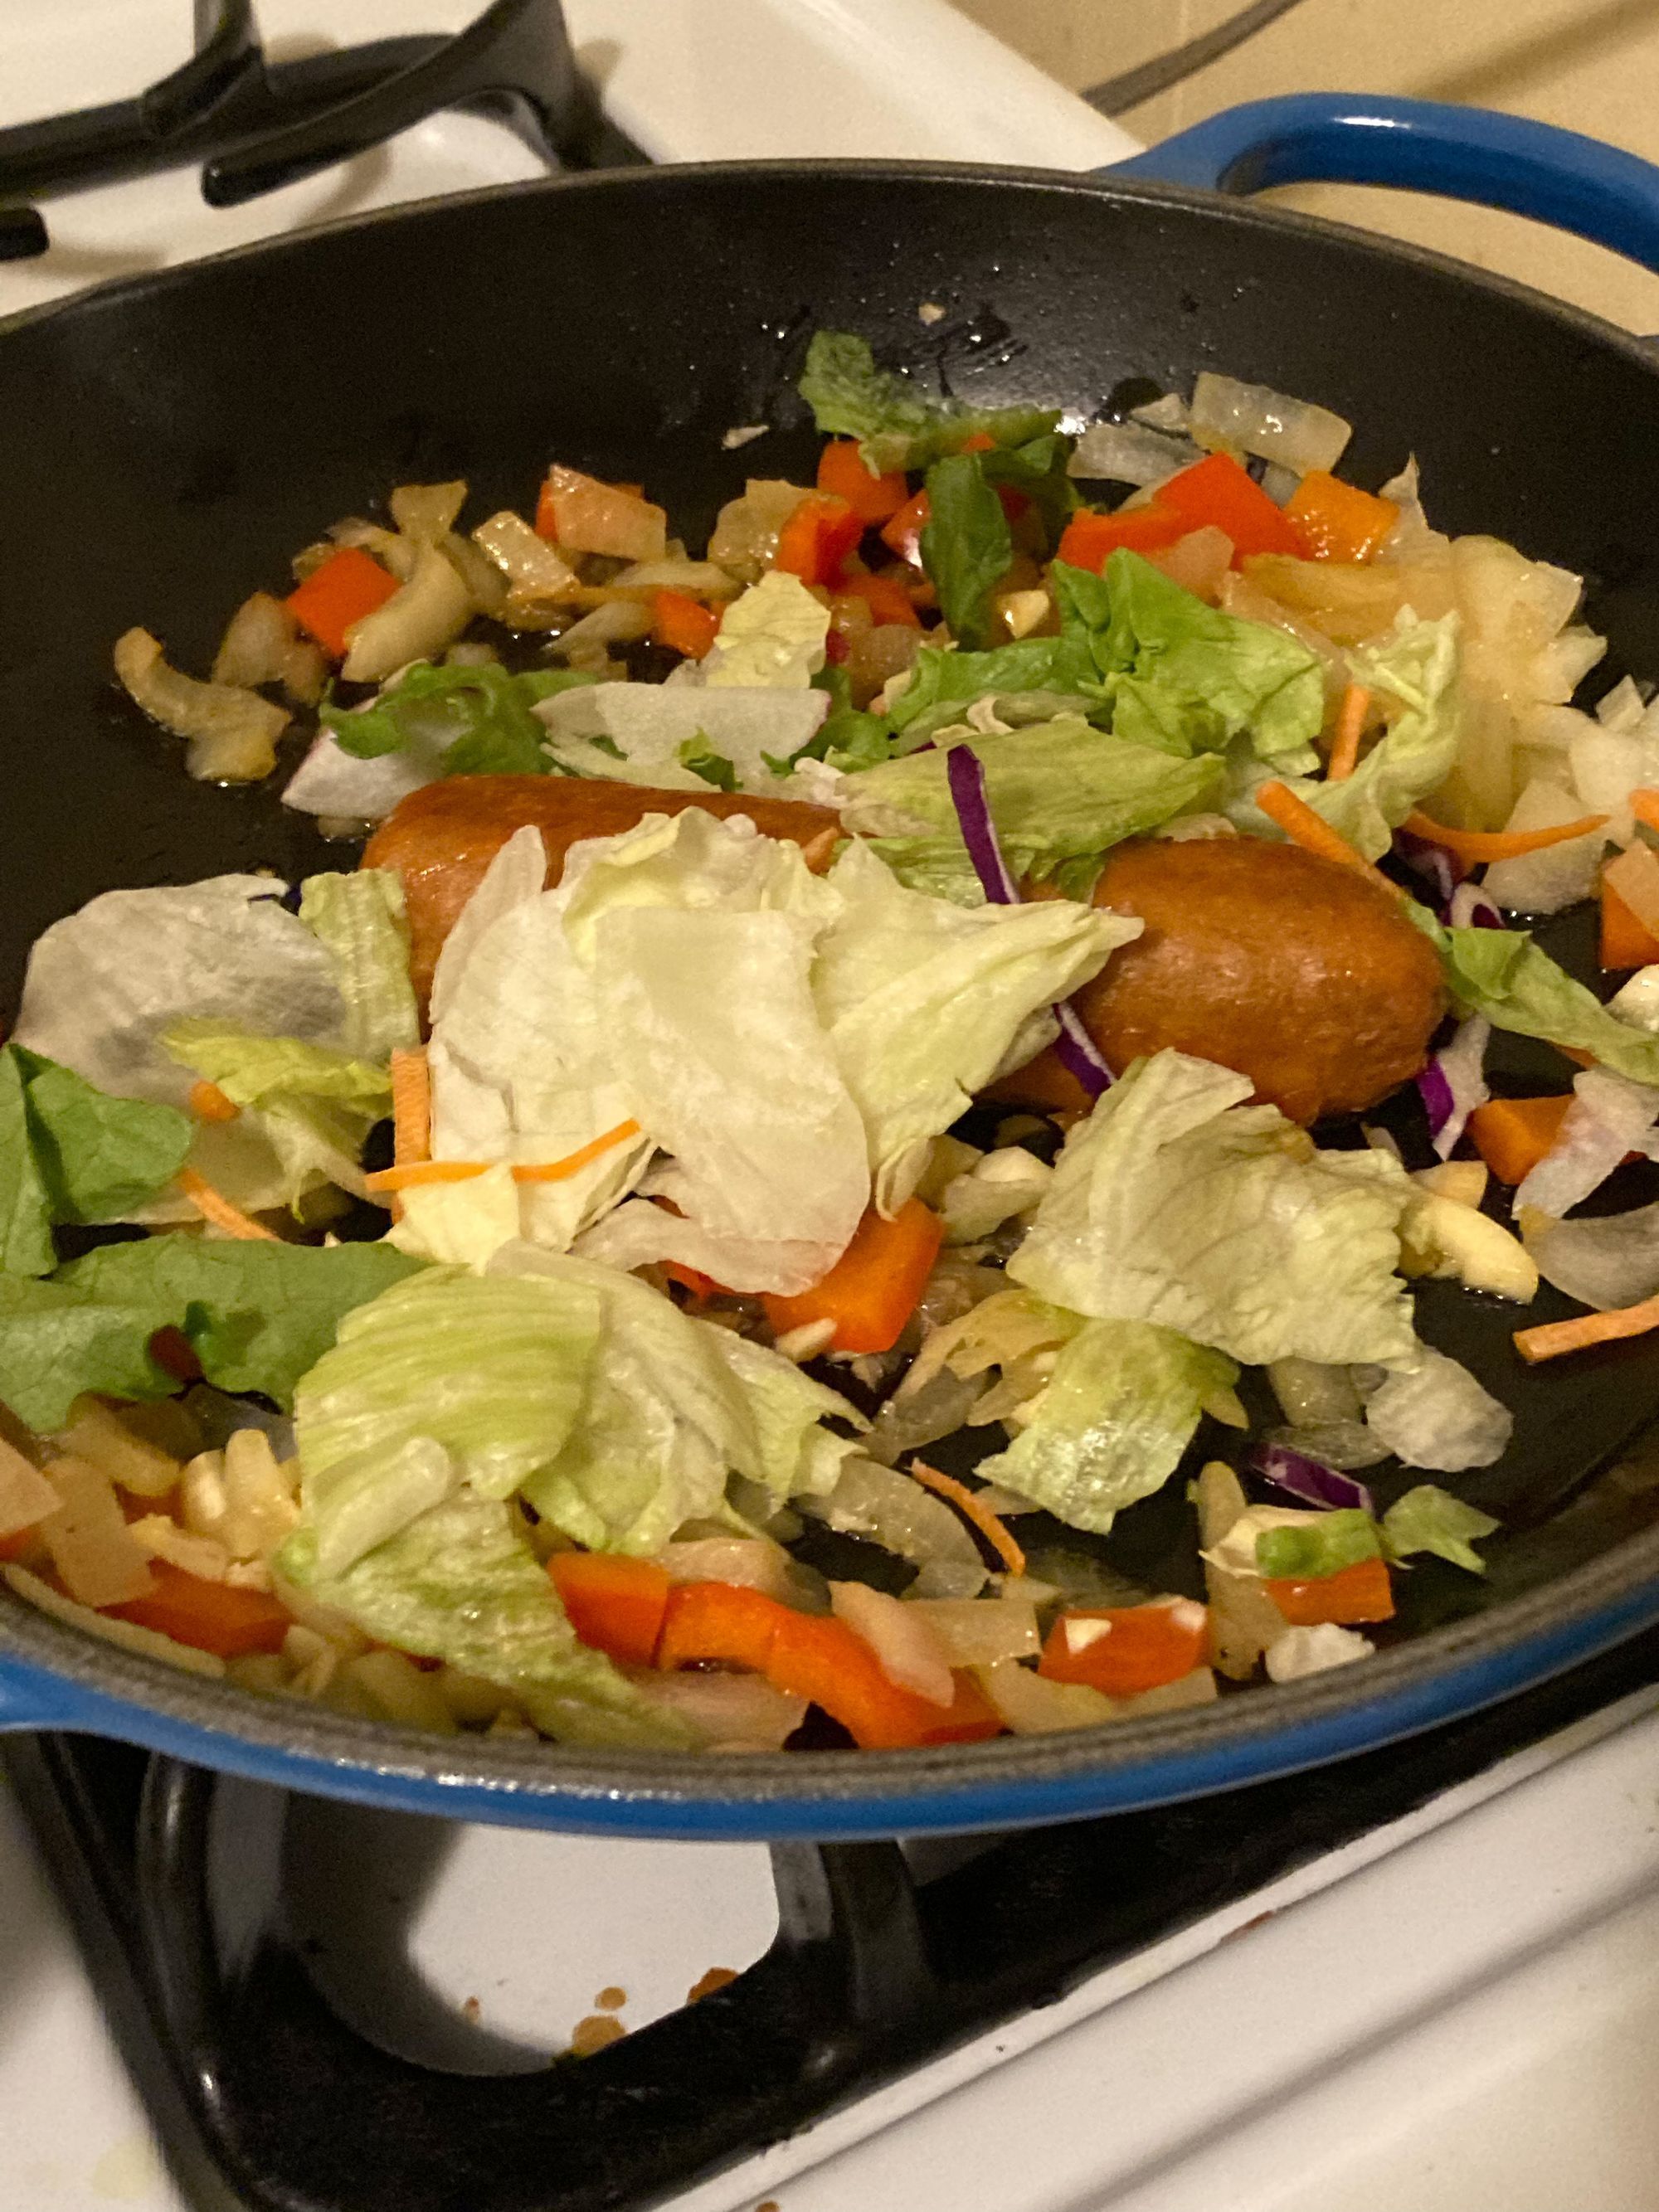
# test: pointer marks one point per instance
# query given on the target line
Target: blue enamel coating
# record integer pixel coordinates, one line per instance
(1556, 177)
(31, 1698)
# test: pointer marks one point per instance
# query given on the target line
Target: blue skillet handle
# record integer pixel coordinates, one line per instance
(31, 1698)
(1533, 169)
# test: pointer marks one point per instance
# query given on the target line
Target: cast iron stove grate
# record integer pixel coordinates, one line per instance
(267, 2101)
(256, 124)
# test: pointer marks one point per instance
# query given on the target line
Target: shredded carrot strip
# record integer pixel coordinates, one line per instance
(408, 1173)
(1315, 835)
(996, 1533)
(411, 1107)
(1350, 727)
(573, 1163)
(1550, 1340)
(1477, 844)
(1644, 805)
(213, 1206)
(208, 1104)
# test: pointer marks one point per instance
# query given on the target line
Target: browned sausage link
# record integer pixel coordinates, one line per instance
(1299, 973)
(442, 838)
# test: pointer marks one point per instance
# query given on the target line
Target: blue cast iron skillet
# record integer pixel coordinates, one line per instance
(165, 444)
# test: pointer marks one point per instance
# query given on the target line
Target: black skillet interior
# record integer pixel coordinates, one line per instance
(166, 445)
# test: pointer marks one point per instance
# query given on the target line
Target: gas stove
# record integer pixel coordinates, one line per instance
(1428, 1978)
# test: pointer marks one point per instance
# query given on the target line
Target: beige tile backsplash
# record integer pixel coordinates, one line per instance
(1592, 65)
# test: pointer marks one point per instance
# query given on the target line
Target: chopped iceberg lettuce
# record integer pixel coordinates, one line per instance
(1059, 792)
(1110, 1426)
(1430, 1519)
(1432, 1413)
(490, 1372)
(314, 1105)
(771, 636)
(1176, 1203)
(104, 983)
(475, 721)
(360, 919)
(673, 1406)
(966, 546)
(460, 1583)
(657, 731)
(923, 1001)
(898, 424)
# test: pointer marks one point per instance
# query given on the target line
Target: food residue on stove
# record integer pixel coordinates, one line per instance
(705, 1984)
(610, 1998)
(593, 2033)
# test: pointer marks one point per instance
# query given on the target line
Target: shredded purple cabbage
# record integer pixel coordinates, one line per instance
(1438, 1102)
(1470, 909)
(1432, 862)
(1309, 1479)
(1074, 1047)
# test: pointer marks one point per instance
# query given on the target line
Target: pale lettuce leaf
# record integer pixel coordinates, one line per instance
(922, 1000)
(1176, 1203)
(1111, 1425)
(771, 635)
(1430, 1519)
(360, 919)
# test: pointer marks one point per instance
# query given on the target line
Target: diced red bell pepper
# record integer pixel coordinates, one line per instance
(1089, 539)
(902, 532)
(817, 539)
(885, 597)
(1217, 492)
(339, 594)
(873, 1289)
(215, 1617)
(1361, 1592)
(683, 624)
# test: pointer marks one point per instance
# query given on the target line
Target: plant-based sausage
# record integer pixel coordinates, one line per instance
(1300, 974)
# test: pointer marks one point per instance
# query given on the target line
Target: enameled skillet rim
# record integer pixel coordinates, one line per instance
(1431, 1678)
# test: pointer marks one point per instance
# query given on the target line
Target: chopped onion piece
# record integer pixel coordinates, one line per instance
(979, 1631)
(744, 541)
(26, 1496)
(1030, 1704)
(1308, 1392)
(734, 1712)
(538, 579)
(617, 623)
(1608, 1262)
(1346, 1444)
(427, 513)
(233, 732)
(1560, 875)
(591, 517)
(1130, 452)
(92, 1549)
(1638, 1001)
(416, 624)
(892, 1510)
(1302, 1651)
(1170, 414)
(256, 645)
(1609, 1116)
(749, 1562)
(909, 1651)
(1438, 1416)
(1635, 876)
(1254, 419)
(1309, 1479)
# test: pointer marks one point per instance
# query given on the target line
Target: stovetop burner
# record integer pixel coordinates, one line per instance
(232, 2018)
(255, 125)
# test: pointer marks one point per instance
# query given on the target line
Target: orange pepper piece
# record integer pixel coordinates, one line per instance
(1513, 1134)
(1089, 538)
(341, 592)
(215, 1617)
(842, 474)
(817, 539)
(615, 1603)
(683, 624)
(871, 1290)
(1361, 1592)
(1626, 940)
(1336, 521)
(902, 532)
(885, 597)
(1144, 1646)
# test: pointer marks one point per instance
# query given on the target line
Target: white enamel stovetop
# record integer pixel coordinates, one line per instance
(1459, 2015)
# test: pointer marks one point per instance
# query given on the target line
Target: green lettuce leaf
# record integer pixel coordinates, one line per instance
(1037, 471)
(899, 426)
(1502, 973)
(360, 919)
(966, 546)
(771, 637)
(491, 1371)
(1110, 1426)
(848, 737)
(482, 712)
(1417, 669)
(674, 1405)
(1337, 1540)
(1430, 1519)
(70, 1153)
(943, 683)
(1176, 1203)
(923, 1001)
(1185, 677)
(316, 1105)
(460, 1584)
(1057, 792)
(258, 1316)
(699, 756)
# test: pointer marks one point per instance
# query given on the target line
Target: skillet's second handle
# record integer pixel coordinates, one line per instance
(1554, 176)
(31, 1698)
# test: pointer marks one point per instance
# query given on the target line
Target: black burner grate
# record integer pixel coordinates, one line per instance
(255, 125)
(268, 2102)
